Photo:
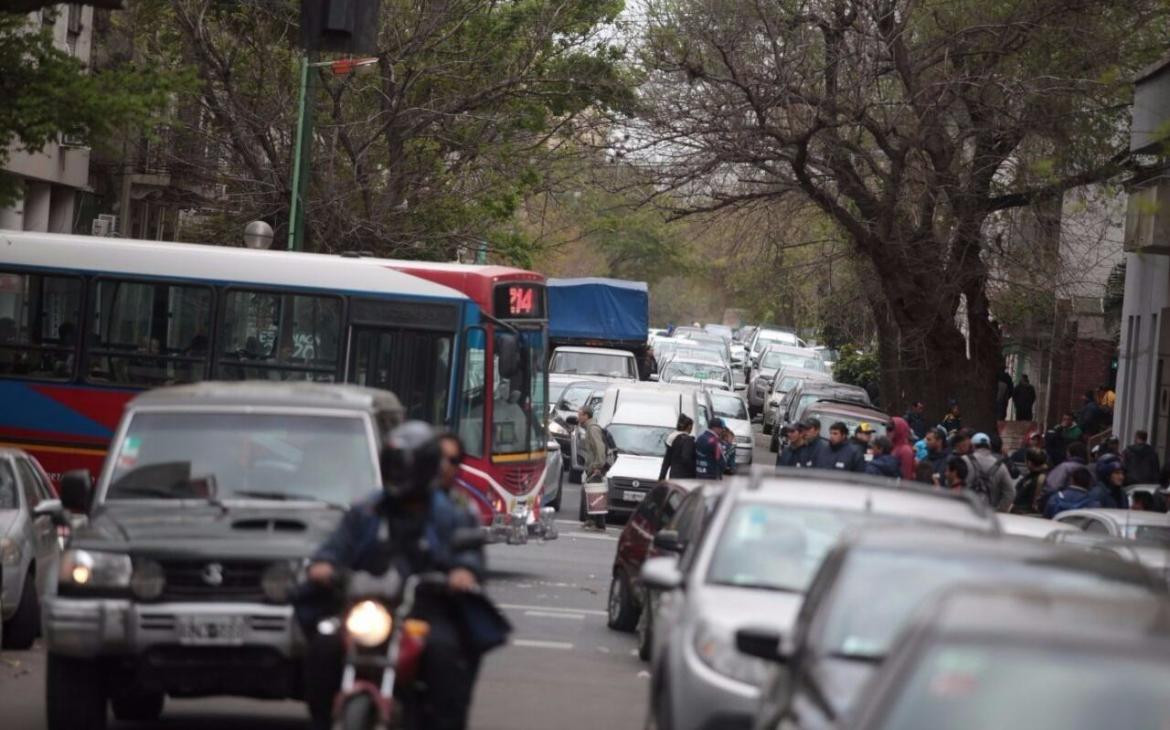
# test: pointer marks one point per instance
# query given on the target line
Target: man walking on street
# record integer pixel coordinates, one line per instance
(593, 486)
(988, 475)
(1141, 461)
(916, 418)
(840, 454)
(679, 460)
(1025, 397)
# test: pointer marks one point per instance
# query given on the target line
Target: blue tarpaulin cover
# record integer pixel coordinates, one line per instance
(598, 309)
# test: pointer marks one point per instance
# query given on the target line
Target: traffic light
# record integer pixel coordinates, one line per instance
(341, 26)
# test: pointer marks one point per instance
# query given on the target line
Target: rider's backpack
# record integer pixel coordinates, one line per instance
(611, 450)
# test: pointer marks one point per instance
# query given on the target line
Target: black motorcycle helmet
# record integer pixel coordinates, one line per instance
(410, 460)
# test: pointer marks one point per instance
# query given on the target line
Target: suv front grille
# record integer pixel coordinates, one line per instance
(213, 580)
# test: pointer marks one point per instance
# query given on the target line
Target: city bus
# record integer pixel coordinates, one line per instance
(501, 419)
(87, 322)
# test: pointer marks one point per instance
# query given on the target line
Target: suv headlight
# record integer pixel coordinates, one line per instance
(10, 552)
(93, 569)
(716, 648)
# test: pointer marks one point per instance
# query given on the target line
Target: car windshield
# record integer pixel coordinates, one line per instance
(593, 363)
(890, 585)
(218, 455)
(639, 440)
(574, 396)
(776, 359)
(779, 546)
(699, 353)
(852, 422)
(969, 686)
(697, 370)
(729, 406)
(1149, 533)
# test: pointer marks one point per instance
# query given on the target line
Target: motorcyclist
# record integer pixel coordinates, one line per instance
(409, 525)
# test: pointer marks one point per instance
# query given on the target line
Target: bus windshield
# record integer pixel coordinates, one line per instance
(519, 402)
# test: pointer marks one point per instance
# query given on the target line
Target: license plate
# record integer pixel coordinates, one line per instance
(633, 496)
(211, 630)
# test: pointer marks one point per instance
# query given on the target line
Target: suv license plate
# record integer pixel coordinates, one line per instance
(210, 630)
(633, 496)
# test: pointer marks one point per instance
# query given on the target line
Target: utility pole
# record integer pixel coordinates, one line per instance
(302, 153)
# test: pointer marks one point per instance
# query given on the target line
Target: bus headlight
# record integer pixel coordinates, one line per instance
(92, 569)
(369, 623)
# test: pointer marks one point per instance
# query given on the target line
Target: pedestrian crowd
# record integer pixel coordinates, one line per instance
(1050, 473)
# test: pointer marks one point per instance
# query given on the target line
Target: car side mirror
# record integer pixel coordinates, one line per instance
(760, 643)
(77, 491)
(662, 574)
(52, 509)
(668, 541)
(571, 420)
(508, 354)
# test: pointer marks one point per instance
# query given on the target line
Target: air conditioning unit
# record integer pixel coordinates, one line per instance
(73, 140)
(104, 225)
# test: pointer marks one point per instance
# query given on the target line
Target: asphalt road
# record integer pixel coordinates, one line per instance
(563, 668)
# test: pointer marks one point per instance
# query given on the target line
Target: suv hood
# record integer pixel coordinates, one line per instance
(630, 466)
(245, 530)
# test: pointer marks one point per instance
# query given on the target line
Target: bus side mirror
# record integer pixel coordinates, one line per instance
(508, 354)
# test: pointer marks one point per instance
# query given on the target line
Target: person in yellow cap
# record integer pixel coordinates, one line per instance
(861, 437)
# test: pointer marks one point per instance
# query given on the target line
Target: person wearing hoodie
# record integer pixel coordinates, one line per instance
(1078, 493)
(1141, 461)
(1111, 479)
(903, 451)
(679, 460)
(840, 454)
(884, 463)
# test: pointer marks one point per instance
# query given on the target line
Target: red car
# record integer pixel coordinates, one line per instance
(666, 506)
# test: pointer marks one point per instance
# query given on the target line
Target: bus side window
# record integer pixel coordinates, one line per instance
(279, 336)
(39, 316)
(471, 404)
(147, 334)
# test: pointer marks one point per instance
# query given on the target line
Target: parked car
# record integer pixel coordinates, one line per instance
(639, 417)
(770, 362)
(804, 394)
(696, 373)
(754, 564)
(1032, 526)
(212, 497)
(635, 544)
(1121, 523)
(571, 364)
(872, 583)
(732, 408)
(1080, 662)
(1152, 556)
(829, 412)
(28, 545)
(786, 380)
(764, 337)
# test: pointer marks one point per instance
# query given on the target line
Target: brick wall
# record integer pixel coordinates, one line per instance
(1080, 365)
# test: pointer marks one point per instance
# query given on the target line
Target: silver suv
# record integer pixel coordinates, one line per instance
(211, 498)
(752, 568)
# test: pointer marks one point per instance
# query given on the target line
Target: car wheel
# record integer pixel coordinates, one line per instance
(138, 706)
(75, 695)
(645, 631)
(774, 444)
(620, 609)
(21, 630)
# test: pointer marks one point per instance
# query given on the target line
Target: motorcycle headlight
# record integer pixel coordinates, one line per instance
(278, 581)
(148, 580)
(557, 428)
(92, 569)
(369, 623)
(10, 552)
(716, 649)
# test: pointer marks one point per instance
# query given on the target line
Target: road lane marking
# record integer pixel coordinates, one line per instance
(535, 644)
(589, 536)
(556, 614)
(526, 607)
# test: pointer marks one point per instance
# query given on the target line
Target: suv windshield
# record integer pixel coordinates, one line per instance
(778, 546)
(244, 455)
(776, 359)
(593, 363)
(639, 440)
(891, 584)
(696, 370)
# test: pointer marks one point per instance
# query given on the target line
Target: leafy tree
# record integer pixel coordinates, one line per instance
(909, 123)
(856, 367)
(48, 94)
